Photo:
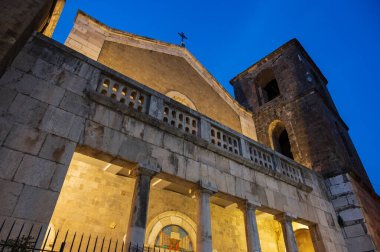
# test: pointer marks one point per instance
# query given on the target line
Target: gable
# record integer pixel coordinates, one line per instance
(164, 73)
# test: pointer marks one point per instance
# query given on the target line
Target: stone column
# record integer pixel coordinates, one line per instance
(287, 229)
(204, 242)
(139, 207)
(251, 230)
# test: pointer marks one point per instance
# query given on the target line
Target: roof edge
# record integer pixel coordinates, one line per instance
(271, 55)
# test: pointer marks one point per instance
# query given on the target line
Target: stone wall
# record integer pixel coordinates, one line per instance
(50, 108)
(318, 136)
(358, 212)
(19, 18)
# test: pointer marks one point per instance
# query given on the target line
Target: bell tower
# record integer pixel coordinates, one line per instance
(294, 113)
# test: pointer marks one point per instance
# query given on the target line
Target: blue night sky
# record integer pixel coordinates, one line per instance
(341, 36)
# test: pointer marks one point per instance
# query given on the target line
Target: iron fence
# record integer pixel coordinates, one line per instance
(27, 237)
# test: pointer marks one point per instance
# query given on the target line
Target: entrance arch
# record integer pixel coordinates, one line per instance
(167, 219)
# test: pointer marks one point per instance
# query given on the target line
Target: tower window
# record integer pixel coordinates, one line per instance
(270, 91)
(280, 139)
(267, 86)
(284, 144)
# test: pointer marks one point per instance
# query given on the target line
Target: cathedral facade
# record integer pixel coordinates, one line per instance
(129, 139)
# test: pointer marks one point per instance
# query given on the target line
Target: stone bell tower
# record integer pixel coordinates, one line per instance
(295, 115)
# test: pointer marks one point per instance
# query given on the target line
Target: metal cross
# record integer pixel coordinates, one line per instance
(183, 37)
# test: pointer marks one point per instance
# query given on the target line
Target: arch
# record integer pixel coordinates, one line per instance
(181, 98)
(267, 86)
(170, 218)
(279, 138)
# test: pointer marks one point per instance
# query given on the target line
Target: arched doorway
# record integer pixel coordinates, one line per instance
(279, 138)
(172, 229)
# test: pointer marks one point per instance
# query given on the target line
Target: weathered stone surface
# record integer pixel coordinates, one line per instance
(102, 138)
(173, 143)
(27, 110)
(35, 204)
(57, 149)
(9, 192)
(71, 82)
(9, 162)
(62, 123)
(25, 139)
(48, 93)
(5, 127)
(6, 97)
(35, 171)
(153, 135)
(75, 104)
(106, 117)
(133, 127)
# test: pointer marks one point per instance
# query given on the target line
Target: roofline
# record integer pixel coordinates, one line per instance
(117, 31)
(231, 99)
(291, 42)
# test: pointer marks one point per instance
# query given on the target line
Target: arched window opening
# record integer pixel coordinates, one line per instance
(284, 144)
(267, 86)
(279, 138)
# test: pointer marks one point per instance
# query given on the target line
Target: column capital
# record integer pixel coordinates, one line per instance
(141, 170)
(249, 205)
(206, 187)
(285, 217)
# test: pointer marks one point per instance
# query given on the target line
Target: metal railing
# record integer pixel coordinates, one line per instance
(24, 237)
(188, 121)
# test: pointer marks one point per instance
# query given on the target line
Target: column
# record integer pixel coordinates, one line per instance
(251, 230)
(139, 207)
(204, 242)
(287, 229)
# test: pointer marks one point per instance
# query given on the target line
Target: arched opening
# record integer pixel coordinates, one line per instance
(172, 230)
(267, 86)
(181, 98)
(279, 138)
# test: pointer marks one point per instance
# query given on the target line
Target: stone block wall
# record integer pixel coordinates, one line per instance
(354, 219)
(18, 19)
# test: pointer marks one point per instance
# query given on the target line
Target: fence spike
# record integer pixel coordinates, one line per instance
(80, 243)
(101, 249)
(109, 245)
(96, 241)
(63, 244)
(116, 245)
(47, 237)
(55, 239)
(88, 242)
(19, 234)
(38, 237)
(72, 243)
(122, 246)
(2, 225)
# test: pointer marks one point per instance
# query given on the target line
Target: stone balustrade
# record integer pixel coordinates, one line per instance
(186, 120)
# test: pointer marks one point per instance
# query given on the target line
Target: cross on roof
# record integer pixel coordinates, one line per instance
(183, 37)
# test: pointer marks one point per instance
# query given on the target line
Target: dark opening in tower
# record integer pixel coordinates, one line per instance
(284, 144)
(267, 86)
(280, 139)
